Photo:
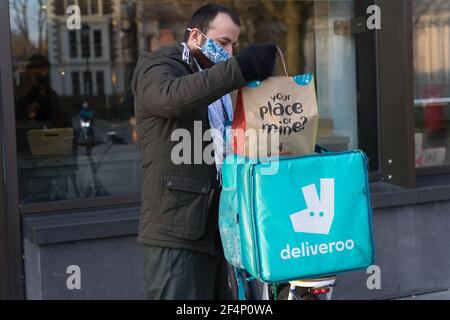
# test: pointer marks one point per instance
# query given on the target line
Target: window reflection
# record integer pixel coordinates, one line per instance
(432, 82)
(308, 36)
(75, 129)
(76, 133)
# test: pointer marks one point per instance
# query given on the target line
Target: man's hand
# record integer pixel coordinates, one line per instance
(257, 61)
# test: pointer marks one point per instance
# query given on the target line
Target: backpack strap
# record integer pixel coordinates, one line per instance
(240, 280)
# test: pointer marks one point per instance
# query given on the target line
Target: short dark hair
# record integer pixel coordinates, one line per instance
(38, 61)
(204, 15)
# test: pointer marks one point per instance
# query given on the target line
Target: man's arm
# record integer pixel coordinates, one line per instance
(161, 92)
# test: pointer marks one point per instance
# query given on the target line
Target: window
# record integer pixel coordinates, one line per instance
(87, 80)
(73, 45)
(85, 41)
(84, 6)
(61, 158)
(100, 83)
(107, 6)
(98, 49)
(59, 8)
(94, 7)
(58, 157)
(431, 28)
(76, 83)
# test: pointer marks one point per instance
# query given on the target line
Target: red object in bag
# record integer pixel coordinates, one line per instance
(434, 117)
(238, 123)
(434, 113)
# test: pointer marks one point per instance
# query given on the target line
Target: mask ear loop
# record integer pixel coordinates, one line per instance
(282, 60)
(185, 55)
(190, 30)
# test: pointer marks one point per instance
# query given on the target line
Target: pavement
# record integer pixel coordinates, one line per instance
(439, 295)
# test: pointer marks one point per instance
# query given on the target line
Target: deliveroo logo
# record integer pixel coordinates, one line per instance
(319, 213)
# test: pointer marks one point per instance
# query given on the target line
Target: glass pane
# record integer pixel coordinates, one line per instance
(73, 44)
(75, 129)
(98, 44)
(334, 59)
(75, 121)
(94, 6)
(310, 36)
(107, 6)
(432, 82)
(83, 6)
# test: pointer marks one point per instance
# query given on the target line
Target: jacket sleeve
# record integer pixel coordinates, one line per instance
(160, 91)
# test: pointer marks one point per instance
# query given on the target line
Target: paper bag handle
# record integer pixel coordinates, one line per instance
(283, 61)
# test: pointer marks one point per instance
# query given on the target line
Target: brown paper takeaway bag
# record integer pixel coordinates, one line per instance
(278, 116)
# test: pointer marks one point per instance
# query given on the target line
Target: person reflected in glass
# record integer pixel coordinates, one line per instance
(86, 126)
(40, 101)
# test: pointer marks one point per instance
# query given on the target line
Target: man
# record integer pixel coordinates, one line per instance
(40, 102)
(178, 87)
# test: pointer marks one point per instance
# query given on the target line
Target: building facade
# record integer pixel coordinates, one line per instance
(70, 197)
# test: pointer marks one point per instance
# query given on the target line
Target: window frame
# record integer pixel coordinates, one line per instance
(76, 87)
(100, 82)
(59, 7)
(431, 170)
(107, 7)
(367, 91)
(81, 204)
(85, 44)
(395, 75)
(88, 84)
(15, 209)
(384, 41)
(94, 7)
(10, 222)
(74, 52)
(98, 43)
(126, 199)
(84, 5)
(403, 81)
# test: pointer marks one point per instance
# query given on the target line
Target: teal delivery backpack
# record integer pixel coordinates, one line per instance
(299, 217)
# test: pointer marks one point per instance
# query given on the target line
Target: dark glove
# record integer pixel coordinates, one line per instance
(257, 61)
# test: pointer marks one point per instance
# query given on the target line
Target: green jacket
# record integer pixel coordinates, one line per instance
(179, 202)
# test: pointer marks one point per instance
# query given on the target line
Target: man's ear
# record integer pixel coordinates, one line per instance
(194, 43)
(195, 38)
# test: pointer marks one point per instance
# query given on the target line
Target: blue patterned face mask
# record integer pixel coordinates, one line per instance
(213, 51)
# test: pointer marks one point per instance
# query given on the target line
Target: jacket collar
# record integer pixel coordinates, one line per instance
(186, 57)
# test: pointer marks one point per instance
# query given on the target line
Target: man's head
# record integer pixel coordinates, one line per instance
(216, 22)
(38, 68)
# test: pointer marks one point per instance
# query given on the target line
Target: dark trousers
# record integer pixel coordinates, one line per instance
(179, 274)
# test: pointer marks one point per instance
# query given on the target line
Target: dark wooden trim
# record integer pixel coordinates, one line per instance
(79, 225)
(396, 98)
(110, 222)
(4, 268)
(367, 99)
(13, 277)
(111, 201)
(428, 171)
